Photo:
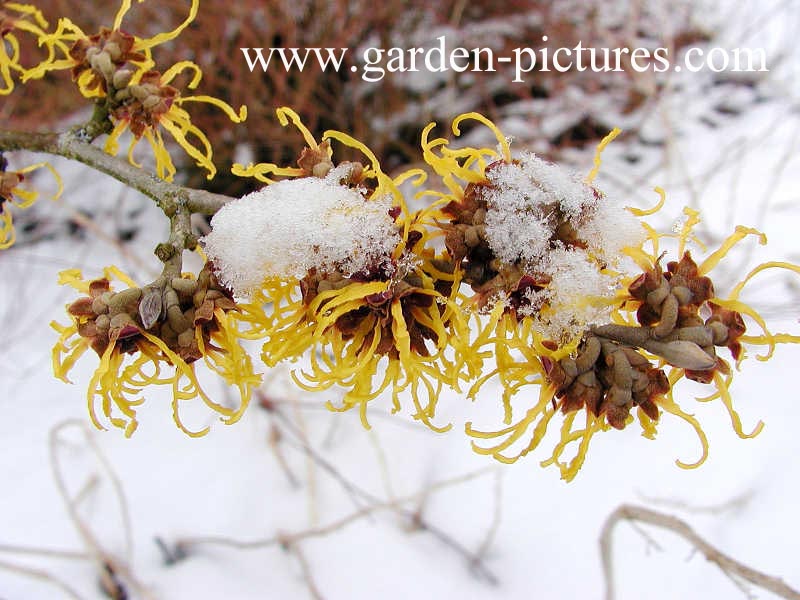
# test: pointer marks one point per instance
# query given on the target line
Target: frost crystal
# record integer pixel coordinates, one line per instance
(552, 223)
(291, 226)
(529, 199)
(578, 295)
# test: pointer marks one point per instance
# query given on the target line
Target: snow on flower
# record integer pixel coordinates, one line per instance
(579, 305)
(544, 220)
(345, 277)
(292, 226)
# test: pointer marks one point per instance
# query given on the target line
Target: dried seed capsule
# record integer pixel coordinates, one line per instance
(122, 326)
(621, 370)
(620, 396)
(125, 301)
(168, 335)
(113, 50)
(121, 78)
(640, 382)
(700, 335)
(170, 298)
(686, 355)
(471, 237)
(102, 322)
(150, 307)
(176, 319)
(658, 295)
(625, 334)
(99, 306)
(683, 294)
(634, 358)
(669, 317)
(587, 379)
(186, 338)
(185, 288)
(719, 332)
(82, 307)
(151, 102)
(139, 92)
(101, 62)
(570, 368)
(588, 357)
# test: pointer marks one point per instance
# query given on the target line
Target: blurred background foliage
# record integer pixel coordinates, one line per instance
(550, 111)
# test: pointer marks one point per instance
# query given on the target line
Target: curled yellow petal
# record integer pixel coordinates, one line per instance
(610, 137)
(501, 139)
(286, 114)
(168, 35)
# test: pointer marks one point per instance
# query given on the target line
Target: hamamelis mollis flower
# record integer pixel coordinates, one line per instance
(149, 103)
(152, 336)
(116, 68)
(14, 19)
(12, 194)
(543, 251)
(334, 265)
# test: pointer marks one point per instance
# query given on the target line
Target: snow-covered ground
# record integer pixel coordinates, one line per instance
(726, 147)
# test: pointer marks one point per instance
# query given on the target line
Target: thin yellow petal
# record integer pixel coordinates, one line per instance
(599, 151)
(169, 35)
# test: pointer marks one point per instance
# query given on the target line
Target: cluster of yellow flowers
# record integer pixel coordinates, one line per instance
(409, 326)
(117, 70)
(403, 324)
(329, 261)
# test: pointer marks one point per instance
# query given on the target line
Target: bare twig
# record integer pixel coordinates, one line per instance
(289, 538)
(734, 504)
(731, 567)
(474, 561)
(295, 549)
(166, 195)
(41, 575)
(274, 438)
(44, 552)
(99, 555)
(496, 515)
(108, 567)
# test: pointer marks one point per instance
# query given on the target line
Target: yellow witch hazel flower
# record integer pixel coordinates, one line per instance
(543, 251)
(117, 67)
(16, 18)
(332, 262)
(152, 336)
(11, 194)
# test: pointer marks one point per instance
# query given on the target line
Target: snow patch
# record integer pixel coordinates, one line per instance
(527, 202)
(291, 226)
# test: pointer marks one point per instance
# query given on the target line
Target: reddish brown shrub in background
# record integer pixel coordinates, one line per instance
(549, 110)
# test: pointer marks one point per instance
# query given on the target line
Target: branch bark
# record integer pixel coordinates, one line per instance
(730, 566)
(72, 146)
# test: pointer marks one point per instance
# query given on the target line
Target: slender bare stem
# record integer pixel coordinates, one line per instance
(70, 145)
(41, 575)
(287, 539)
(730, 566)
